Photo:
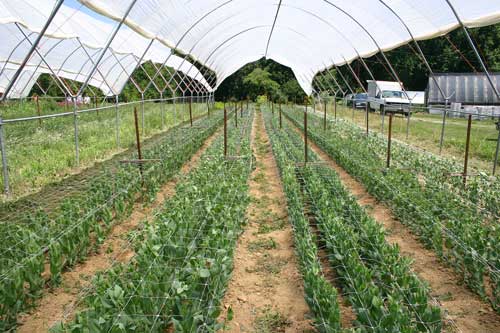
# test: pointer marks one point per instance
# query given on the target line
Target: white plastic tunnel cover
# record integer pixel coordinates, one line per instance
(71, 46)
(306, 35)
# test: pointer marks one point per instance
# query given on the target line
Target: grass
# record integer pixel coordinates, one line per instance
(41, 153)
(268, 264)
(262, 244)
(425, 132)
(271, 321)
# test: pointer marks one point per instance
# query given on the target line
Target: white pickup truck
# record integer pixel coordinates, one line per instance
(388, 97)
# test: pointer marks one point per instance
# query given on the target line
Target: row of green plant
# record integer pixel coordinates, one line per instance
(320, 295)
(39, 153)
(65, 235)
(482, 190)
(377, 280)
(184, 257)
(456, 232)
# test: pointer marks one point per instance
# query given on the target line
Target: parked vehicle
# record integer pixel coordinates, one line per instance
(359, 101)
(388, 97)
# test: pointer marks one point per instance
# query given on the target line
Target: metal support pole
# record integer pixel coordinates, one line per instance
(117, 121)
(75, 125)
(305, 136)
(467, 147)
(272, 108)
(162, 111)
(236, 114)
(389, 142)
(138, 142)
(191, 110)
(441, 140)
(37, 99)
(408, 121)
(495, 162)
(143, 120)
(4, 161)
(225, 131)
(335, 107)
(367, 120)
(280, 117)
(324, 116)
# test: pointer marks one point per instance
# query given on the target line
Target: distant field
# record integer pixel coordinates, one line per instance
(40, 153)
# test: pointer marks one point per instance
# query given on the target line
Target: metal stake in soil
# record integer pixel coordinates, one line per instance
(280, 117)
(467, 147)
(4, 161)
(389, 142)
(441, 140)
(225, 131)
(236, 115)
(191, 110)
(305, 136)
(37, 99)
(138, 141)
(367, 120)
(495, 162)
(324, 117)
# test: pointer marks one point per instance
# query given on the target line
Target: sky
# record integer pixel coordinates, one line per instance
(77, 5)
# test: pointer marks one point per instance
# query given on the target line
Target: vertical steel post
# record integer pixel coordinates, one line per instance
(225, 131)
(280, 117)
(162, 111)
(324, 116)
(4, 160)
(75, 125)
(495, 162)
(191, 110)
(335, 107)
(37, 99)
(305, 136)
(408, 121)
(138, 143)
(367, 120)
(441, 140)
(236, 114)
(272, 108)
(389, 142)
(467, 148)
(117, 121)
(143, 120)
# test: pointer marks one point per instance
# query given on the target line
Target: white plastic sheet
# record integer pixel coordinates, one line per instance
(309, 35)
(71, 45)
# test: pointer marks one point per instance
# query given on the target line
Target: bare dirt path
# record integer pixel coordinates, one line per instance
(61, 302)
(463, 310)
(265, 292)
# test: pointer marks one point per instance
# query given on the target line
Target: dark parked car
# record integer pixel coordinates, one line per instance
(360, 101)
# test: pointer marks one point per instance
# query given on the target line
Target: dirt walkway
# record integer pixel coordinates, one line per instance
(463, 310)
(61, 302)
(265, 293)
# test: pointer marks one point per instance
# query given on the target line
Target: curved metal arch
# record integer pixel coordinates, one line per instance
(13, 50)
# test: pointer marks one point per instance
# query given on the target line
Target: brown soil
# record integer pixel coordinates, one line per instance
(60, 303)
(463, 310)
(265, 278)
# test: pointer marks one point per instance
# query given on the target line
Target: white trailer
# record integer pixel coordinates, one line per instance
(388, 97)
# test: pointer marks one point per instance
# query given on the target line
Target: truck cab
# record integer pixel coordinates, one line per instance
(388, 97)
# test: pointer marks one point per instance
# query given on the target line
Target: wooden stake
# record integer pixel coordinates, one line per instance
(467, 146)
(389, 141)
